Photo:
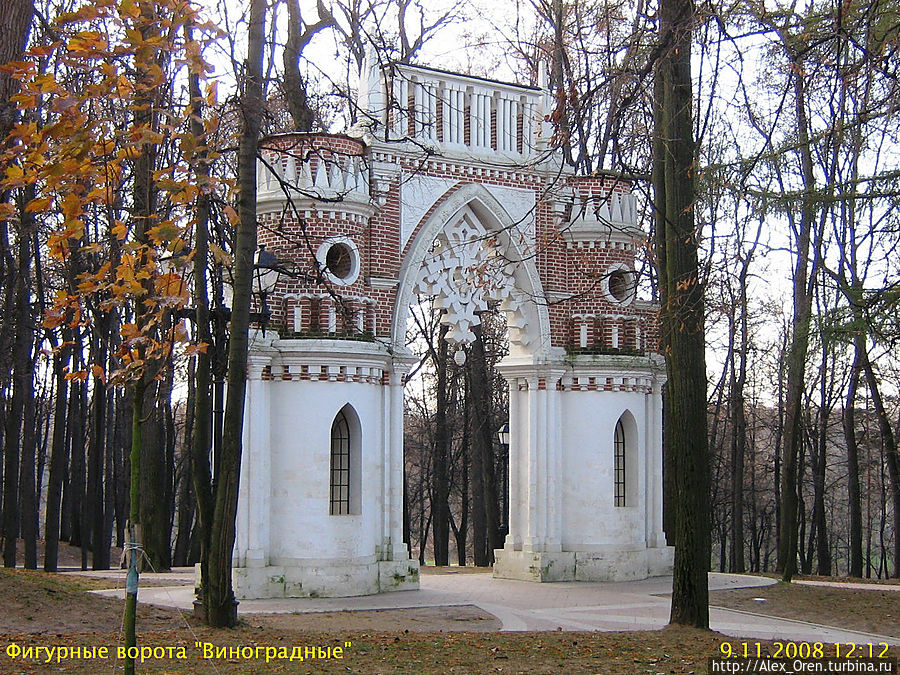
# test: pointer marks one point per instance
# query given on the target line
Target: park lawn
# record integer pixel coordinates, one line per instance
(43, 610)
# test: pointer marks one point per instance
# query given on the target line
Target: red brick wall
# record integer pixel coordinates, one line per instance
(566, 269)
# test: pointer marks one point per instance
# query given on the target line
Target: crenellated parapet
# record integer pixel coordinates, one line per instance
(317, 173)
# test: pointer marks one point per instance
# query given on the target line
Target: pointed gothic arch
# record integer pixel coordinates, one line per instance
(475, 203)
(345, 463)
(625, 461)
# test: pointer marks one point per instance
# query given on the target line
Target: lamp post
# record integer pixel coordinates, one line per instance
(503, 436)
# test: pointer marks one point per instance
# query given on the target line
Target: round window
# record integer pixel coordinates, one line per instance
(619, 285)
(339, 261)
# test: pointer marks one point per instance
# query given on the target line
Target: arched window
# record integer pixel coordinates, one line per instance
(619, 453)
(340, 466)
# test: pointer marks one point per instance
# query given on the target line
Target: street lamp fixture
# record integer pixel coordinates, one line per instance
(503, 436)
(266, 269)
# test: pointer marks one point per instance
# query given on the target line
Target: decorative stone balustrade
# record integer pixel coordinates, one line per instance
(455, 112)
(610, 332)
(614, 208)
(318, 313)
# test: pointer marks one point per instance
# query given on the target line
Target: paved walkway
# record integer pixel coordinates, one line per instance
(856, 586)
(525, 606)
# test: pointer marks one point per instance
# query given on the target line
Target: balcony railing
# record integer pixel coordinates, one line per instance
(455, 112)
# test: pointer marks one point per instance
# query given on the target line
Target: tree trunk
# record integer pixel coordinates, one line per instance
(120, 468)
(23, 373)
(460, 534)
(484, 481)
(848, 421)
(891, 456)
(134, 536)
(183, 482)
(27, 480)
(96, 445)
(799, 343)
(170, 437)
(155, 524)
(298, 36)
(220, 602)
(200, 442)
(440, 479)
(109, 482)
(658, 168)
(738, 451)
(682, 316)
(58, 461)
(820, 453)
(11, 455)
(15, 17)
(147, 59)
(475, 460)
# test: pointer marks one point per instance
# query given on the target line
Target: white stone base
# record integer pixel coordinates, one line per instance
(612, 565)
(327, 579)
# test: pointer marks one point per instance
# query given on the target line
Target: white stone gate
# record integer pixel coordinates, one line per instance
(448, 190)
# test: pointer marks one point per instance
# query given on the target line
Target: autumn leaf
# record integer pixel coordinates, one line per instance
(219, 255)
(99, 373)
(199, 348)
(232, 215)
(163, 233)
(120, 230)
(87, 41)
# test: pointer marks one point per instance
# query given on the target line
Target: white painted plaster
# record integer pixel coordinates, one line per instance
(418, 193)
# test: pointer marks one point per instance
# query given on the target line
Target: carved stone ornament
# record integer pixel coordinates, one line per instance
(466, 275)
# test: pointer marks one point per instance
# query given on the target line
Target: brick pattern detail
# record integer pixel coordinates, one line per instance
(326, 373)
(588, 322)
(641, 385)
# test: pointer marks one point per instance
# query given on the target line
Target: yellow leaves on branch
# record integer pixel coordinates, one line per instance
(163, 233)
(232, 215)
(88, 43)
(99, 373)
(199, 348)
(219, 255)
(102, 67)
(686, 284)
(129, 8)
(65, 310)
(39, 205)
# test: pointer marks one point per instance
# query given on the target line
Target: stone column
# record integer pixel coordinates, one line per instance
(533, 547)
(395, 461)
(656, 536)
(252, 542)
(515, 469)
(535, 461)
